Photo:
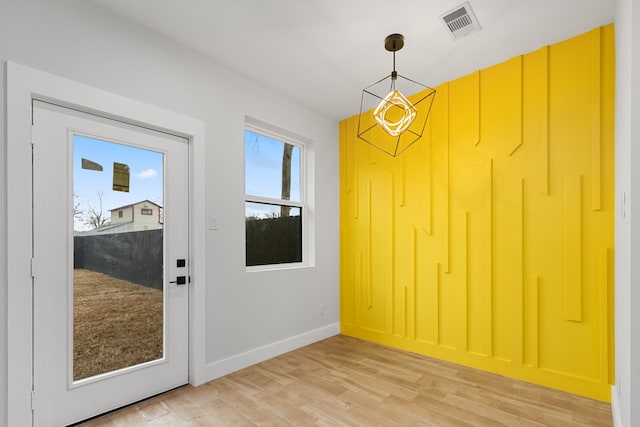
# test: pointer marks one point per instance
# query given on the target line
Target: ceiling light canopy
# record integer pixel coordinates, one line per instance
(395, 109)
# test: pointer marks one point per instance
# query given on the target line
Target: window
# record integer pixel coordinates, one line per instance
(146, 211)
(274, 199)
(120, 214)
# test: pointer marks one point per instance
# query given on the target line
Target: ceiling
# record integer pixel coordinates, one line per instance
(324, 52)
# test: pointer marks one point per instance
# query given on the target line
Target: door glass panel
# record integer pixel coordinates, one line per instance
(118, 240)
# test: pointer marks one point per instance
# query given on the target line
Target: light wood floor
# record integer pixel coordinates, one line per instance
(345, 381)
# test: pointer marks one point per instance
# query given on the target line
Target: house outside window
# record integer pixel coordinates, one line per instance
(274, 199)
(139, 216)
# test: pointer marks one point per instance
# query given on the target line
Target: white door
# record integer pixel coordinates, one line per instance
(110, 264)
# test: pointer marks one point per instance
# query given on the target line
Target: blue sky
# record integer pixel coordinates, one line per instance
(145, 167)
(263, 167)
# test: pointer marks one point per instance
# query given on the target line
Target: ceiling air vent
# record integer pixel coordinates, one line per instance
(460, 21)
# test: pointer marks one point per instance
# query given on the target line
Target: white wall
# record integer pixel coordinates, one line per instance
(626, 392)
(3, 260)
(249, 315)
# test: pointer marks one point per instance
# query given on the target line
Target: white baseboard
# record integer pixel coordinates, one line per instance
(231, 364)
(615, 407)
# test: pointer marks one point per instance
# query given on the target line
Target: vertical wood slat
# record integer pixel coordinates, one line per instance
(462, 269)
(572, 248)
(544, 121)
(414, 281)
(534, 321)
(357, 287)
(390, 297)
(479, 115)
(518, 74)
(516, 271)
(410, 309)
(604, 285)
(370, 238)
(405, 314)
(346, 130)
(446, 240)
(489, 254)
(596, 105)
(356, 195)
(429, 188)
(438, 309)
(464, 110)
(356, 176)
(403, 183)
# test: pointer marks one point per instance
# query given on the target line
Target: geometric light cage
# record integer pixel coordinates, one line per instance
(373, 96)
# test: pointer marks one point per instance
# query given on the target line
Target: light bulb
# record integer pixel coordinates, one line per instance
(395, 113)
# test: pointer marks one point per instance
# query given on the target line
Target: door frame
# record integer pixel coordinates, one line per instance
(23, 85)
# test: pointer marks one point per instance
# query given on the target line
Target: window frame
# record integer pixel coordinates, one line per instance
(303, 144)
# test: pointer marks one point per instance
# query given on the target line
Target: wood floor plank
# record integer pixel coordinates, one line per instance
(221, 414)
(180, 404)
(343, 381)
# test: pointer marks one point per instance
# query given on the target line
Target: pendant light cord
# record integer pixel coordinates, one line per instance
(394, 61)
(394, 73)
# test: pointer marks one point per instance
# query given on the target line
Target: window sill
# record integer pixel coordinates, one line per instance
(277, 267)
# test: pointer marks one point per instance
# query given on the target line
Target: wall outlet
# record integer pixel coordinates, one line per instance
(213, 223)
(321, 309)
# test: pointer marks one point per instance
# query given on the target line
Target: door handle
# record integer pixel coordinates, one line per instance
(180, 280)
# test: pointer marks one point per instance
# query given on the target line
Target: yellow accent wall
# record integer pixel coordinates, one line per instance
(489, 242)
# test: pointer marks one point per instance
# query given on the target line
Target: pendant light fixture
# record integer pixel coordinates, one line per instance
(395, 109)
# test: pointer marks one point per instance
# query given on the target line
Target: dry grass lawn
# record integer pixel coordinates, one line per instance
(116, 324)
